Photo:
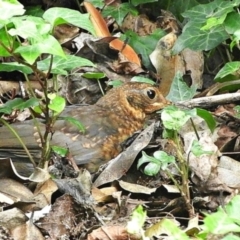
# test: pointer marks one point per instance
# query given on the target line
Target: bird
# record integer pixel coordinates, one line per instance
(108, 123)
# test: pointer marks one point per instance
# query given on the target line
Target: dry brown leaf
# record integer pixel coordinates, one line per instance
(139, 24)
(27, 231)
(136, 188)
(110, 232)
(229, 172)
(61, 219)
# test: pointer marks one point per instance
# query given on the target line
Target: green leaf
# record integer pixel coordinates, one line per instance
(119, 12)
(60, 150)
(231, 237)
(60, 64)
(164, 158)
(201, 12)
(75, 122)
(8, 9)
(19, 104)
(137, 220)
(143, 45)
(57, 103)
(36, 11)
(160, 160)
(197, 149)
(174, 118)
(30, 27)
(220, 223)
(57, 15)
(14, 66)
(179, 90)
(237, 111)
(8, 41)
(232, 22)
(23, 28)
(232, 209)
(142, 80)
(48, 44)
(171, 229)
(196, 39)
(138, 2)
(213, 21)
(152, 169)
(229, 68)
(203, 31)
(207, 116)
(94, 75)
(115, 83)
(147, 159)
(235, 39)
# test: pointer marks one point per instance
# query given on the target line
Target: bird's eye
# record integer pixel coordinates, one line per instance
(151, 94)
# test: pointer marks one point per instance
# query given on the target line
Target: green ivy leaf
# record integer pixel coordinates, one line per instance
(229, 68)
(94, 75)
(138, 218)
(179, 90)
(207, 116)
(213, 21)
(197, 39)
(119, 12)
(8, 9)
(201, 12)
(197, 149)
(57, 103)
(115, 83)
(8, 41)
(232, 22)
(147, 159)
(164, 158)
(75, 122)
(30, 27)
(14, 66)
(47, 44)
(143, 45)
(174, 118)
(57, 15)
(152, 169)
(220, 223)
(160, 160)
(24, 28)
(142, 80)
(36, 11)
(170, 228)
(138, 2)
(18, 104)
(60, 65)
(60, 150)
(232, 209)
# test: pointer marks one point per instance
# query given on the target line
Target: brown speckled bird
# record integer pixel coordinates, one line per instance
(109, 122)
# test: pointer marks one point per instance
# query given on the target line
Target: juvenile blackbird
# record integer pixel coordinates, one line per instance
(108, 123)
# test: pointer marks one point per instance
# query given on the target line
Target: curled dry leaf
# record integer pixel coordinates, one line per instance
(102, 31)
(136, 188)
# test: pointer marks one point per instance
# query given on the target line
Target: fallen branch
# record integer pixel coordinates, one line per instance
(206, 102)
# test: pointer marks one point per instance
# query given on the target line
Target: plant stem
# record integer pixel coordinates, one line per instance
(184, 175)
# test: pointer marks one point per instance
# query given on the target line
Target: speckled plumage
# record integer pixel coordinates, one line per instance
(109, 122)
